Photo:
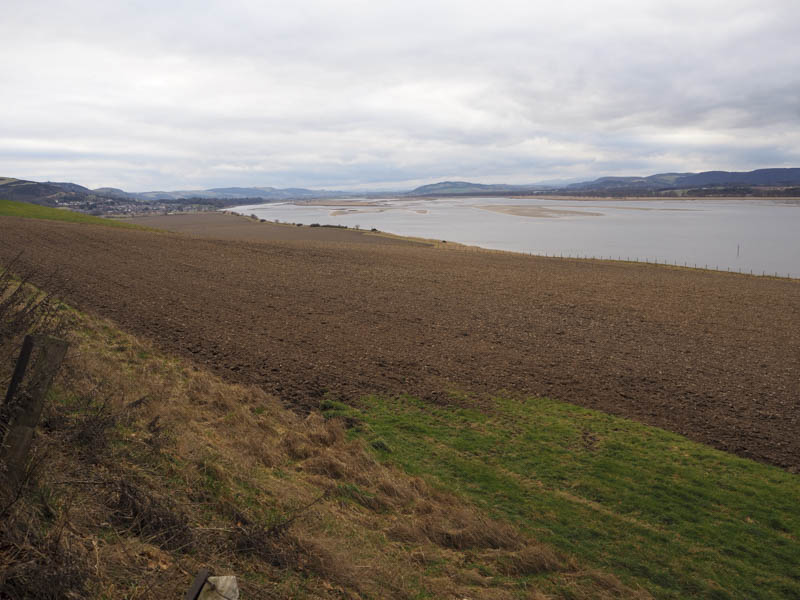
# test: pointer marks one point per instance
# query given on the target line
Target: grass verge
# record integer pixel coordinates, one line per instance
(9, 208)
(680, 519)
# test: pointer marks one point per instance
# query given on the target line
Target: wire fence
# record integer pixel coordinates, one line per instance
(457, 247)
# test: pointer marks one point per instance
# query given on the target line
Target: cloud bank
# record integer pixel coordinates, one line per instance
(348, 94)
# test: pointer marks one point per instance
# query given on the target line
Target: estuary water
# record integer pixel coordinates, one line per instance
(747, 235)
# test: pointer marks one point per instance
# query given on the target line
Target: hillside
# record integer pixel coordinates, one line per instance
(239, 194)
(151, 466)
(35, 211)
(739, 183)
(706, 354)
(67, 195)
(46, 194)
(114, 201)
(663, 181)
(461, 188)
(778, 177)
(54, 193)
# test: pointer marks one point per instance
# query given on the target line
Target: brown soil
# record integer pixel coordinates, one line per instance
(714, 356)
(227, 226)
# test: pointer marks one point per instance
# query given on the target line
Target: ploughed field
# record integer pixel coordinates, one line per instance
(711, 355)
(226, 226)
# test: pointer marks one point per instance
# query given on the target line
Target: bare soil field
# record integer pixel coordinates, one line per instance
(714, 356)
(227, 226)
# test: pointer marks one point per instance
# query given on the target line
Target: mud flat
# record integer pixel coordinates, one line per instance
(711, 355)
(538, 211)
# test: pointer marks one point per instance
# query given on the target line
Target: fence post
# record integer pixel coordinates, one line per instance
(22, 410)
(18, 376)
(199, 581)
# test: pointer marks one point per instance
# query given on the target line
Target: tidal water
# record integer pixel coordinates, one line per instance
(747, 235)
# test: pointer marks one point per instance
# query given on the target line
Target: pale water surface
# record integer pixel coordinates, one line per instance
(738, 234)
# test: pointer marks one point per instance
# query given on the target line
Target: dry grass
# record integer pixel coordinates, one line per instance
(456, 527)
(151, 468)
(23, 310)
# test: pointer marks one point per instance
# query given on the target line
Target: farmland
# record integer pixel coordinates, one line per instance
(712, 356)
(424, 401)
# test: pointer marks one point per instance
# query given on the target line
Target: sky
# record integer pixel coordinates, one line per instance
(383, 94)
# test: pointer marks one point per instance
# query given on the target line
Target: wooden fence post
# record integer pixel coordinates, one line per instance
(22, 409)
(197, 585)
(17, 377)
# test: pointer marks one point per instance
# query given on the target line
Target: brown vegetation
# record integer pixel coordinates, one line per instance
(148, 468)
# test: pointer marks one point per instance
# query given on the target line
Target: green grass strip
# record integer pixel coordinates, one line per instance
(8, 208)
(678, 518)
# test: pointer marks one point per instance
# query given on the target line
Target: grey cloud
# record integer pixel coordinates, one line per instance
(319, 93)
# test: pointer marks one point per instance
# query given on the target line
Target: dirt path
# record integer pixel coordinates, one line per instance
(710, 355)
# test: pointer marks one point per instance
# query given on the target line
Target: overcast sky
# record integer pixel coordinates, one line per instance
(150, 95)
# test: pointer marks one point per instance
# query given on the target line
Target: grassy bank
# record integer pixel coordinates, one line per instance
(9, 208)
(146, 468)
(680, 519)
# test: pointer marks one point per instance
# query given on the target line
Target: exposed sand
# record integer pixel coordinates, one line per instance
(543, 212)
(647, 208)
(355, 211)
(341, 203)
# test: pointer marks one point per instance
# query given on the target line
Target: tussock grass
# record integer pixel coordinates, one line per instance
(678, 518)
(148, 468)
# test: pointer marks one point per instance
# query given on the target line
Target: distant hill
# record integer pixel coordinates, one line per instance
(460, 188)
(116, 193)
(777, 177)
(29, 191)
(240, 193)
(9, 208)
(108, 200)
(661, 181)
(70, 187)
(788, 177)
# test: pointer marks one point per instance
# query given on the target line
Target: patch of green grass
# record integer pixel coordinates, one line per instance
(353, 493)
(9, 208)
(678, 518)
